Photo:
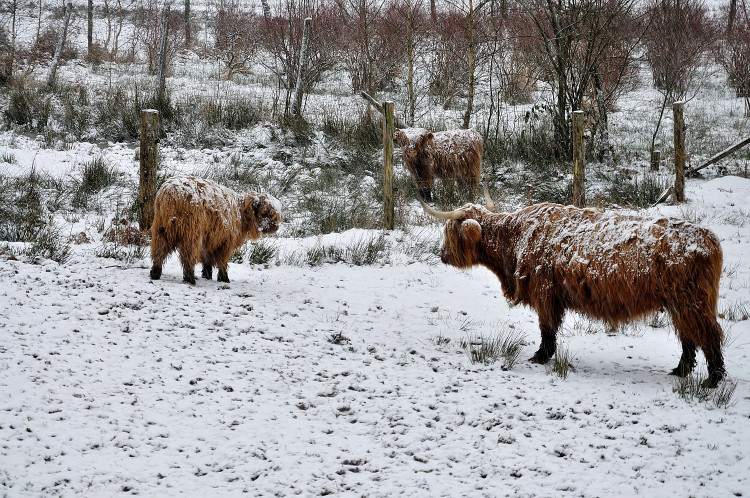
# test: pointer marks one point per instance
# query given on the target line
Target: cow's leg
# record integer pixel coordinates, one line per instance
(160, 248)
(188, 260)
(221, 256)
(687, 360)
(550, 318)
(712, 350)
(715, 361)
(207, 271)
(698, 327)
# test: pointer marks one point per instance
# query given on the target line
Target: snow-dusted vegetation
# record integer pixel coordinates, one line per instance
(343, 358)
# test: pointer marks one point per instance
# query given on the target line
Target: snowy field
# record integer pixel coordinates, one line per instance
(341, 379)
(351, 380)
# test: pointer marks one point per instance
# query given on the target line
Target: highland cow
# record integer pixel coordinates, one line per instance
(609, 266)
(448, 155)
(206, 222)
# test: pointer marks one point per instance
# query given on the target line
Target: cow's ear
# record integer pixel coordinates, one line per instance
(471, 231)
(429, 138)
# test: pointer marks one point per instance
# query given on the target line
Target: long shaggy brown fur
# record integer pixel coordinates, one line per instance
(612, 267)
(206, 222)
(448, 155)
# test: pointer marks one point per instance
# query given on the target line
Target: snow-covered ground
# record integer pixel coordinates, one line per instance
(345, 379)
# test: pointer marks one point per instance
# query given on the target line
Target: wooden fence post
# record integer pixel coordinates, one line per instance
(388, 129)
(149, 166)
(679, 151)
(655, 160)
(579, 169)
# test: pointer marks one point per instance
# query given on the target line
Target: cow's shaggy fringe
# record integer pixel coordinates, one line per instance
(206, 222)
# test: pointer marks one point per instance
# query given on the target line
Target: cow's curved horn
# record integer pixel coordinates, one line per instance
(489, 204)
(456, 214)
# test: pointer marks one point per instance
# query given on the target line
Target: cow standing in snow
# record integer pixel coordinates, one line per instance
(448, 155)
(609, 266)
(206, 222)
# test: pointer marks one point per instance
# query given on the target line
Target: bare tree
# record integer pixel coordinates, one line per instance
(236, 34)
(733, 53)
(574, 41)
(281, 35)
(678, 40)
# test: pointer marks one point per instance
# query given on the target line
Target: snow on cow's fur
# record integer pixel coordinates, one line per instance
(206, 222)
(448, 155)
(613, 267)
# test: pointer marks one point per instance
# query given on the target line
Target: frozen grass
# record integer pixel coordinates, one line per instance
(505, 344)
(691, 388)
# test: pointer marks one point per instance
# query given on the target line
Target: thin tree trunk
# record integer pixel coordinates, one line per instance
(410, 57)
(266, 9)
(161, 67)
(39, 21)
(296, 108)
(60, 45)
(108, 15)
(658, 125)
(90, 25)
(606, 155)
(188, 34)
(732, 15)
(470, 96)
(433, 12)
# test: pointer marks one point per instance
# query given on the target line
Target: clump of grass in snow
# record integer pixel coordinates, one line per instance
(562, 362)
(97, 175)
(735, 312)
(505, 344)
(691, 388)
(641, 191)
(8, 157)
(367, 250)
(258, 252)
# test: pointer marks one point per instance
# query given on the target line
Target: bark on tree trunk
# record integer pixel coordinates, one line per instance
(470, 92)
(60, 45)
(606, 156)
(297, 106)
(161, 68)
(410, 56)
(186, 15)
(90, 25)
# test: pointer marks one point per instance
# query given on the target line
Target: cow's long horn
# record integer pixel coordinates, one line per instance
(456, 214)
(489, 204)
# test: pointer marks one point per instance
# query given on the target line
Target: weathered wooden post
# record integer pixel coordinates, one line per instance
(679, 151)
(579, 169)
(149, 166)
(388, 129)
(655, 159)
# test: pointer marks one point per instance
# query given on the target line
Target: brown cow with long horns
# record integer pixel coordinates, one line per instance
(609, 266)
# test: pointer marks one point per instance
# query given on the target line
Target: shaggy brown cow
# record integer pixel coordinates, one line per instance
(206, 222)
(609, 266)
(448, 155)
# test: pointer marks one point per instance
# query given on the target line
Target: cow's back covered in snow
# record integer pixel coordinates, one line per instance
(206, 222)
(610, 266)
